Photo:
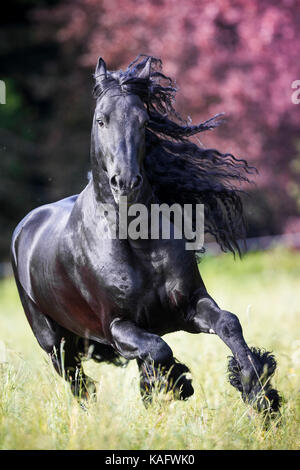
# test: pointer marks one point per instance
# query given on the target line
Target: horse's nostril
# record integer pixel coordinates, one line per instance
(137, 182)
(119, 184)
(114, 181)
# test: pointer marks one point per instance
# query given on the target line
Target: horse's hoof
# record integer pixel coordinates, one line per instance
(173, 382)
(180, 382)
(254, 384)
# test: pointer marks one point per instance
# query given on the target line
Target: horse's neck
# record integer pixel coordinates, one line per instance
(90, 209)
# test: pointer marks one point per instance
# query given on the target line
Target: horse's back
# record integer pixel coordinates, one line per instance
(36, 237)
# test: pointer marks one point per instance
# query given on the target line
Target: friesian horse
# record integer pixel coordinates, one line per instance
(115, 297)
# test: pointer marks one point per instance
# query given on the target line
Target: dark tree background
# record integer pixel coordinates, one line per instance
(237, 56)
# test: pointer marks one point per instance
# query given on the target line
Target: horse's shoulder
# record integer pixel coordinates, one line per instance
(35, 233)
(45, 211)
(39, 218)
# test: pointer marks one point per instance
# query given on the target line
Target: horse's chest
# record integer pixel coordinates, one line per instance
(150, 287)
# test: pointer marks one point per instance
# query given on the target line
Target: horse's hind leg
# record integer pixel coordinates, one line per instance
(250, 370)
(67, 363)
(159, 369)
(61, 345)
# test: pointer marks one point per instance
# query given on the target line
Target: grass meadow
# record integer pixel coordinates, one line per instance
(37, 410)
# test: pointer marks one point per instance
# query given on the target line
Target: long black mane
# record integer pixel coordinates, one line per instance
(179, 170)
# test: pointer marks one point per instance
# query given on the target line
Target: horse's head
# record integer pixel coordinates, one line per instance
(119, 133)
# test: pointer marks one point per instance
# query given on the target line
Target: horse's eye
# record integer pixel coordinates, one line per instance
(145, 123)
(100, 122)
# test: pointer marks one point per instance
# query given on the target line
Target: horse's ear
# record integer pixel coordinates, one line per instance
(100, 68)
(146, 70)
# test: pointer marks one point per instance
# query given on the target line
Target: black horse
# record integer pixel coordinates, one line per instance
(115, 297)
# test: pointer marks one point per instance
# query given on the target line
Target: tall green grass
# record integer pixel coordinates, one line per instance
(37, 410)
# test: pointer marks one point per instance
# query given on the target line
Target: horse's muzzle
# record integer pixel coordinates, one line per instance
(130, 189)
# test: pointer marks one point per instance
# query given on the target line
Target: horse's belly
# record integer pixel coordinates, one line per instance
(76, 316)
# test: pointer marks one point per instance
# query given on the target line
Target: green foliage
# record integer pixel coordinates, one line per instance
(15, 114)
(37, 410)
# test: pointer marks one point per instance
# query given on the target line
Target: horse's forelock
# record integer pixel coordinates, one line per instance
(103, 84)
(150, 89)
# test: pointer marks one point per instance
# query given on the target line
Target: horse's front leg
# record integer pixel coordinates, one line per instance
(159, 370)
(249, 369)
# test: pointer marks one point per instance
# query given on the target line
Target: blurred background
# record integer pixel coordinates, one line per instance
(239, 57)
